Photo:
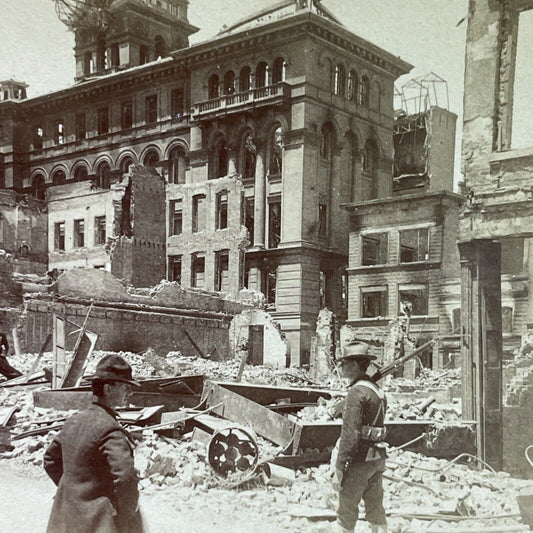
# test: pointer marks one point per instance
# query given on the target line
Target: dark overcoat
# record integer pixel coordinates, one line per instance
(91, 462)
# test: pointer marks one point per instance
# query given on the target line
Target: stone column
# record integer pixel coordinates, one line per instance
(260, 194)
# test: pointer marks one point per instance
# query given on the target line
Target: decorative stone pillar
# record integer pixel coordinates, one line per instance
(260, 194)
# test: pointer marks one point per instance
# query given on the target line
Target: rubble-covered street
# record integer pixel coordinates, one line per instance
(177, 479)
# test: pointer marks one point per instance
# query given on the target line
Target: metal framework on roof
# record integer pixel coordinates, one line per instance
(418, 95)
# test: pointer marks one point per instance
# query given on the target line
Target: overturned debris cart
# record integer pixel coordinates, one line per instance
(266, 410)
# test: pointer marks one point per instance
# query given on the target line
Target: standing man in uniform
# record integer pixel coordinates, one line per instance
(91, 461)
(361, 457)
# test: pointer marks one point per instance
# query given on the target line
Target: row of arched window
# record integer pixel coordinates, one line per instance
(352, 88)
(177, 165)
(263, 75)
(246, 156)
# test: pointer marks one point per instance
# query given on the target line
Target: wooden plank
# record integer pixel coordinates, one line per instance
(38, 358)
(58, 337)
(16, 344)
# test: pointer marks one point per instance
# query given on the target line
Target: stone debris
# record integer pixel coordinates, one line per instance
(180, 466)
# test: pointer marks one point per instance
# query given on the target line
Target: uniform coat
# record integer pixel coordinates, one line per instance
(91, 462)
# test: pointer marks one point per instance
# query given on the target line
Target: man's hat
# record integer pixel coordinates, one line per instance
(112, 367)
(356, 350)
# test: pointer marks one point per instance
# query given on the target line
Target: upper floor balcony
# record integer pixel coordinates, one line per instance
(276, 94)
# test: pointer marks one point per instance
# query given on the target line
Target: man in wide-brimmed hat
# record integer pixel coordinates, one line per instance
(361, 456)
(91, 461)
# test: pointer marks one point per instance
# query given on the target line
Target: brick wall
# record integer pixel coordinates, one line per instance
(129, 329)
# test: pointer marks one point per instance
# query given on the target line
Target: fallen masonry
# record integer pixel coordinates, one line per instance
(433, 480)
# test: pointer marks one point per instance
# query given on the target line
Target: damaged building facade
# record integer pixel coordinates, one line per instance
(260, 135)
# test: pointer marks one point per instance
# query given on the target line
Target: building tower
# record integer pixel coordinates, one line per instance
(112, 35)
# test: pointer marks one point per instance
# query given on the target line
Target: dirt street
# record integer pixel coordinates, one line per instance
(27, 499)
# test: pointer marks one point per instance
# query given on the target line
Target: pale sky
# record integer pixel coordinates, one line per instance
(38, 49)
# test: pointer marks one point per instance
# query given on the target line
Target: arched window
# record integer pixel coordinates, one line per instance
(103, 173)
(376, 96)
(340, 80)
(125, 164)
(276, 152)
(177, 165)
(229, 82)
(326, 144)
(80, 173)
(364, 92)
(59, 177)
(261, 75)
(354, 160)
(278, 70)
(353, 88)
(38, 187)
(245, 79)
(160, 46)
(213, 87)
(151, 158)
(248, 157)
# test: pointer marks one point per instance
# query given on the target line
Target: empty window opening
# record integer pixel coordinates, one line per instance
(101, 53)
(414, 245)
(374, 249)
(144, 54)
(38, 137)
(276, 152)
(99, 230)
(103, 175)
(327, 140)
(198, 271)
(176, 217)
(88, 65)
(322, 221)
(59, 177)
(222, 271)
(198, 213)
(261, 75)
(151, 158)
(38, 187)
(212, 88)
(340, 80)
(174, 268)
(249, 157)
(269, 276)
(126, 115)
(178, 166)
(125, 165)
(278, 70)
(160, 46)
(59, 132)
(59, 236)
(352, 86)
(81, 126)
(80, 173)
(222, 210)
(229, 82)
(178, 103)
(456, 321)
(522, 119)
(103, 120)
(151, 109)
(374, 302)
(79, 233)
(220, 159)
(249, 215)
(364, 92)
(274, 222)
(115, 55)
(245, 79)
(413, 300)
(325, 288)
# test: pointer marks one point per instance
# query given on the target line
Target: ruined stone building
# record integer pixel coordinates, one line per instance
(403, 248)
(260, 135)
